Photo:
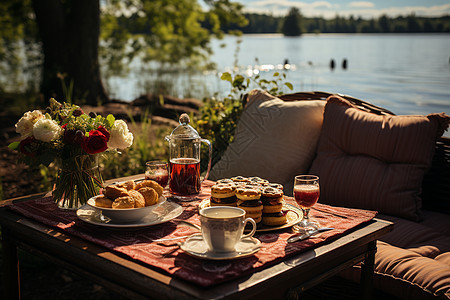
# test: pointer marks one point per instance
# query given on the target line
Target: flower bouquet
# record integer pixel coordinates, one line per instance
(71, 139)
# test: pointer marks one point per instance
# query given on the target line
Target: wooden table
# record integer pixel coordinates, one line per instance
(136, 281)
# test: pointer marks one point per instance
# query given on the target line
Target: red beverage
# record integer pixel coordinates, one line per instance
(306, 195)
(184, 176)
(160, 177)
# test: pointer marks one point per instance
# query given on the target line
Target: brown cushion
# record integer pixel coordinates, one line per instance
(274, 139)
(406, 274)
(375, 162)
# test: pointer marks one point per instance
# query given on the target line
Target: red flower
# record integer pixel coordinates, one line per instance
(96, 142)
(25, 146)
(104, 131)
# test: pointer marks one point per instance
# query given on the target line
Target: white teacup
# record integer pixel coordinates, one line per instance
(223, 227)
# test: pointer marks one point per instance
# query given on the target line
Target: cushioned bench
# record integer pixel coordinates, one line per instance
(368, 158)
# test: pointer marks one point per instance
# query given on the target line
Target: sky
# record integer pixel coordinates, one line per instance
(364, 9)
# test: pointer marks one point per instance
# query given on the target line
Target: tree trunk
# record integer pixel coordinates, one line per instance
(70, 32)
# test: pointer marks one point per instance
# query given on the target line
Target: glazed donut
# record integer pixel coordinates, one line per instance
(240, 179)
(150, 195)
(258, 180)
(274, 185)
(222, 190)
(272, 200)
(246, 193)
(225, 180)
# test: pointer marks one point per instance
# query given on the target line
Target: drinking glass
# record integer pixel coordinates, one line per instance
(158, 171)
(306, 194)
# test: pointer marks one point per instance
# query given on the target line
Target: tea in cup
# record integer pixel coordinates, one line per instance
(223, 227)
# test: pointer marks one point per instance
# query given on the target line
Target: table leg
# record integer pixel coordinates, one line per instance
(11, 276)
(367, 267)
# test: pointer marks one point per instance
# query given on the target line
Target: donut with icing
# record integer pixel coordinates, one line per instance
(223, 194)
(274, 219)
(272, 200)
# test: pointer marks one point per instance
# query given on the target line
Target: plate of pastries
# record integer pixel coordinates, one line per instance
(262, 201)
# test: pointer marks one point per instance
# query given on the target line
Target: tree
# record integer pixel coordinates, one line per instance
(70, 33)
(292, 25)
(167, 31)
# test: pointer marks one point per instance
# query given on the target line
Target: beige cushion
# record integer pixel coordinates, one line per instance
(375, 162)
(274, 139)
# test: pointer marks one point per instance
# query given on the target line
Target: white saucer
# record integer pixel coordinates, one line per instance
(196, 246)
(163, 213)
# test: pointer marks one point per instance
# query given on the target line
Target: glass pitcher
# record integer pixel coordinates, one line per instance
(184, 160)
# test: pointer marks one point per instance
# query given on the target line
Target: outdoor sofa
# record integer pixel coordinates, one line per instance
(366, 157)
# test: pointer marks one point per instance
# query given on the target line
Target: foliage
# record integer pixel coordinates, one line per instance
(148, 145)
(219, 118)
(19, 49)
(260, 23)
(292, 24)
(170, 32)
(67, 136)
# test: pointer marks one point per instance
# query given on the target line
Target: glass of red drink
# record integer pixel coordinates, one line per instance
(306, 194)
(158, 171)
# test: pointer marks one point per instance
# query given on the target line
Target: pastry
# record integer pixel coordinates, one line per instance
(103, 201)
(114, 191)
(138, 198)
(272, 200)
(223, 194)
(152, 184)
(128, 185)
(240, 179)
(258, 180)
(150, 195)
(123, 202)
(248, 200)
(275, 219)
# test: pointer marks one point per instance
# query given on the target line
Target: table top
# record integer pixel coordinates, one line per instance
(135, 279)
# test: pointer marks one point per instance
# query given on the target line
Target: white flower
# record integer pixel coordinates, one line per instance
(46, 130)
(25, 125)
(120, 136)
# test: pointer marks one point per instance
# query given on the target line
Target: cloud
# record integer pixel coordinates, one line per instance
(281, 7)
(364, 4)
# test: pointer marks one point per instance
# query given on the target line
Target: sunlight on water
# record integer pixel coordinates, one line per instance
(400, 72)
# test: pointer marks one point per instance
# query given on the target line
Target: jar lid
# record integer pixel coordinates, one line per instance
(184, 130)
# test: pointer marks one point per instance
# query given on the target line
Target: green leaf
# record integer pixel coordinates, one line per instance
(14, 145)
(276, 74)
(238, 80)
(289, 85)
(227, 77)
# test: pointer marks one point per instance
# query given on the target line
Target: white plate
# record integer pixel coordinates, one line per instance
(126, 215)
(161, 214)
(294, 216)
(196, 246)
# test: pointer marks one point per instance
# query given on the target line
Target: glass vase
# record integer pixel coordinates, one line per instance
(78, 180)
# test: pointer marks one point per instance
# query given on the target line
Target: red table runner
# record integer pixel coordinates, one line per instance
(137, 243)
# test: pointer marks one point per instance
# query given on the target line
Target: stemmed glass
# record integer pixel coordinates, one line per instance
(306, 194)
(158, 171)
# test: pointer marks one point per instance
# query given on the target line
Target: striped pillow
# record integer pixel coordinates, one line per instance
(375, 162)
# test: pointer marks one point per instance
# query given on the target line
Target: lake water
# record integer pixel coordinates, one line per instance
(407, 74)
